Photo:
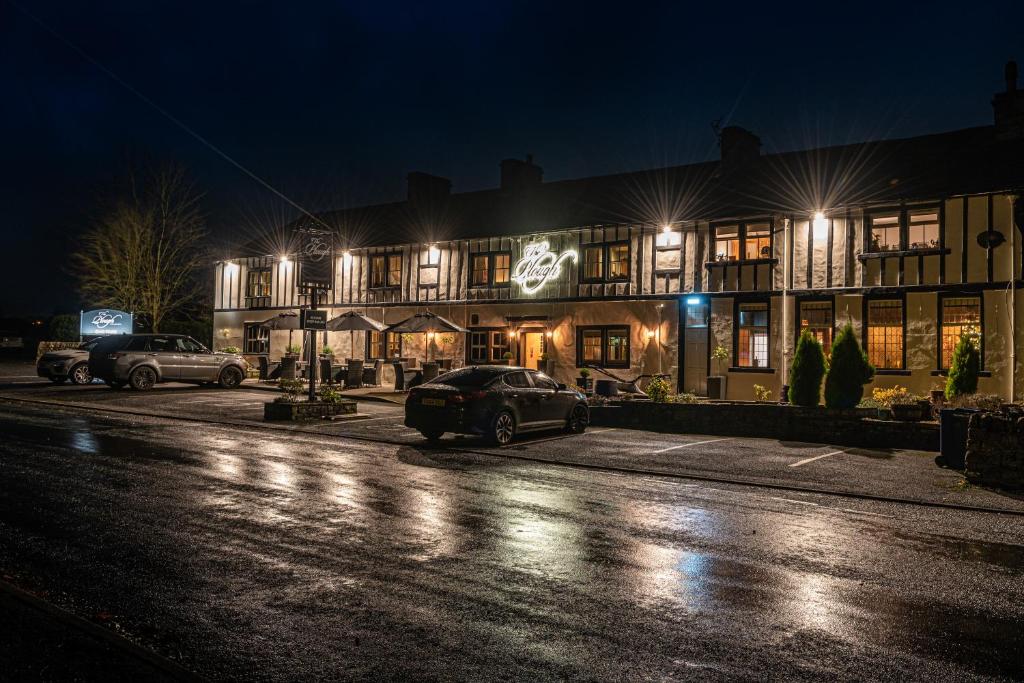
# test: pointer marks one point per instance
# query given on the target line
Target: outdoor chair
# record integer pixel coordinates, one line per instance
(403, 375)
(325, 371)
(268, 370)
(354, 376)
(430, 371)
(373, 376)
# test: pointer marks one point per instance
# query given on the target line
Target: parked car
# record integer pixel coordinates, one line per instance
(497, 402)
(66, 364)
(142, 360)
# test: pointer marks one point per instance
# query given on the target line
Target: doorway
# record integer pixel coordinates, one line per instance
(533, 349)
(695, 347)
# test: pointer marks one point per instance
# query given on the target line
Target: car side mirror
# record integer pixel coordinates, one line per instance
(562, 387)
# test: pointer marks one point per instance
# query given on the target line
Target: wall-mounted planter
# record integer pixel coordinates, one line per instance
(306, 410)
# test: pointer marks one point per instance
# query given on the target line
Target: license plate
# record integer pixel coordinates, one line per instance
(436, 402)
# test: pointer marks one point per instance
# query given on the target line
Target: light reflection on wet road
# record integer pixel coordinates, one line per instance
(291, 557)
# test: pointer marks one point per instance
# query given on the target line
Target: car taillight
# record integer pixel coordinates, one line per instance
(473, 395)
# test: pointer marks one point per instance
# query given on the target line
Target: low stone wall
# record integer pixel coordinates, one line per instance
(995, 451)
(47, 346)
(771, 421)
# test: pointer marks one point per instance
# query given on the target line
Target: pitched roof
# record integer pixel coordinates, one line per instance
(926, 167)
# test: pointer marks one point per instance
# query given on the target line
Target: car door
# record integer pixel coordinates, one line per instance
(197, 363)
(551, 407)
(164, 352)
(517, 393)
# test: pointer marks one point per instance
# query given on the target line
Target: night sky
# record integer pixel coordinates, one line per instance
(334, 104)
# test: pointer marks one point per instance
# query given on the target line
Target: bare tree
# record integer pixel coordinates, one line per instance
(143, 253)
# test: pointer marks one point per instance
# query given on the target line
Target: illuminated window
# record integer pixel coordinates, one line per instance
(618, 261)
(256, 339)
(960, 315)
(923, 229)
(603, 345)
(593, 263)
(885, 334)
(757, 242)
(885, 232)
(816, 316)
(490, 269)
(592, 346)
(502, 269)
(617, 346)
(752, 340)
(376, 345)
(481, 270)
(500, 344)
(257, 283)
(394, 270)
(727, 243)
(378, 272)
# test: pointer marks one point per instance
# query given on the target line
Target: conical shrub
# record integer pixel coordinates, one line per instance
(963, 371)
(806, 371)
(848, 372)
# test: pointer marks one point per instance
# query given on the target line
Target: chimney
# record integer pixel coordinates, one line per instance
(519, 176)
(739, 147)
(1008, 107)
(427, 189)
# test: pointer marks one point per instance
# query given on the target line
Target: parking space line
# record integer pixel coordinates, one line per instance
(692, 443)
(817, 457)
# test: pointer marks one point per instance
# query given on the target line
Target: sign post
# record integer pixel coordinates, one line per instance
(316, 274)
(313, 321)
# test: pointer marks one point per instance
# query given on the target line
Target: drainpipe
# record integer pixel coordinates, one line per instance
(786, 265)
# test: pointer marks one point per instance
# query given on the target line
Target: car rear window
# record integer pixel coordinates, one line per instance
(467, 377)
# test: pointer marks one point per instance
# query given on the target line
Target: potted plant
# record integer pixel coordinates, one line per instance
(507, 357)
(290, 406)
(293, 350)
(716, 383)
(327, 352)
(583, 381)
(762, 394)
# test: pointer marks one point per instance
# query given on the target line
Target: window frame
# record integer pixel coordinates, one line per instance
(246, 339)
(901, 297)
(368, 344)
(258, 300)
(939, 325)
(489, 346)
(491, 257)
(903, 223)
(604, 329)
(742, 227)
(605, 251)
(738, 303)
(386, 256)
(798, 323)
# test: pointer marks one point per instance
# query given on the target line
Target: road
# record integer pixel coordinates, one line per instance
(253, 555)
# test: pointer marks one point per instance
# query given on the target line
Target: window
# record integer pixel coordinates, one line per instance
(386, 270)
(816, 316)
(500, 344)
(188, 345)
(488, 346)
(542, 381)
(959, 315)
(727, 243)
(885, 334)
(923, 229)
(481, 276)
(752, 339)
(478, 347)
(490, 269)
(376, 341)
(758, 241)
(604, 346)
(257, 283)
(593, 263)
(517, 380)
(618, 261)
(256, 339)
(502, 268)
(885, 232)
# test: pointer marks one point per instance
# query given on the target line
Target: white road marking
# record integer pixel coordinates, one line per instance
(692, 443)
(817, 457)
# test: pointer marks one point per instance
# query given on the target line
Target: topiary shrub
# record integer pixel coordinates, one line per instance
(658, 389)
(806, 371)
(963, 371)
(64, 327)
(848, 372)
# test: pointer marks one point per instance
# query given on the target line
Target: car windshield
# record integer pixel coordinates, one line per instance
(468, 377)
(89, 345)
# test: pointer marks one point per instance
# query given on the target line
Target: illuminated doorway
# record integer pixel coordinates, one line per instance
(533, 349)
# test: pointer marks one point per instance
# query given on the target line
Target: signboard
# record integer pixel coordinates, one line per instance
(313, 320)
(316, 259)
(105, 321)
(539, 266)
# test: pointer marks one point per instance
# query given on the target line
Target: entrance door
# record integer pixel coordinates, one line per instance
(695, 351)
(533, 347)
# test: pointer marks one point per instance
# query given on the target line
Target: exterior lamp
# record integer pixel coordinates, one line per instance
(650, 334)
(284, 259)
(820, 226)
(433, 255)
(693, 301)
(669, 237)
(346, 256)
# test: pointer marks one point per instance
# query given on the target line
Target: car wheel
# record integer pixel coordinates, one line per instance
(431, 434)
(578, 420)
(503, 428)
(142, 378)
(80, 374)
(58, 380)
(230, 378)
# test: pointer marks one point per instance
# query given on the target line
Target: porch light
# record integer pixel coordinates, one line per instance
(433, 255)
(650, 334)
(284, 259)
(231, 267)
(669, 237)
(693, 301)
(549, 334)
(820, 226)
(346, 256)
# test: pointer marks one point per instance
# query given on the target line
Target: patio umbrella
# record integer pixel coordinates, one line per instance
(283, 321)
(353, 322)
(425, 323)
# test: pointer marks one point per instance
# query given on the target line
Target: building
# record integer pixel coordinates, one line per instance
(649, 272)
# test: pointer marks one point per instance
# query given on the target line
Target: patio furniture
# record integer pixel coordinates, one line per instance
(325, 370)
(403, 375)
(426, 323)
(430, 371)
(445, 364)
(338, 373)
(354, 376)
(353, 322)
(606, 387)
(288, 368)
(267, 369)
(373, 375)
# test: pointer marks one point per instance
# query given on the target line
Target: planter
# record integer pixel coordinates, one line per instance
(547, 367)
(716, 387)
(884, 414)
(288, 367)
(906, 412)
(307, 410)
(584, 383)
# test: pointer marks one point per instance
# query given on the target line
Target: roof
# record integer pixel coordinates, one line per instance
(967, 161)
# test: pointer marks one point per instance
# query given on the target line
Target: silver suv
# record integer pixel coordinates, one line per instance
(60, 366)
(142, 360)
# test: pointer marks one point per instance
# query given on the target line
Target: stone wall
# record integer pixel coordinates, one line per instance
(771, 421)
(995, 451)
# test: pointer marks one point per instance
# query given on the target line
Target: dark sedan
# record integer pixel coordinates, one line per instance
(496, 402)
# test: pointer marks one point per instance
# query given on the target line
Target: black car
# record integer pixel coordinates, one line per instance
(497, 402)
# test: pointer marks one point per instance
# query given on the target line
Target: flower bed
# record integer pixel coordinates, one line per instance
(854, 427)
(307, 410)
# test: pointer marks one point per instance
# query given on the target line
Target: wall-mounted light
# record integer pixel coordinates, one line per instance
(549, 334)
(346, 257)
(693, 301)
(284, 259)
(669, 237)
(650, 334)
(820, 224)
(231, 267)
(433, 255)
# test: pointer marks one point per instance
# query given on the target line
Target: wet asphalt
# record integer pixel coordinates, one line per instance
(249, 555)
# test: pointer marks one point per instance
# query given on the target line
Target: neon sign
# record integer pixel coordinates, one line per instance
(539, 266)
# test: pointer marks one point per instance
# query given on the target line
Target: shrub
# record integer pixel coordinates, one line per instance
(291, 388)
(508, 355)
(682, 398)
(887, 397)
(990, 402)
(327, 351)
(719, 355)
(658, 389)
(848, 371)
(329, 394)
(762, 393)
(806, 371)
(963, 371)
(64, 327)
(584, 373)
(230, 349)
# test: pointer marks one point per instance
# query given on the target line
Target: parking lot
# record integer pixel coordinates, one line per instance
(892, 473)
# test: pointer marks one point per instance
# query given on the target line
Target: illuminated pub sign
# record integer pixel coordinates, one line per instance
(316, 259)
(105, 321)
(539, 266)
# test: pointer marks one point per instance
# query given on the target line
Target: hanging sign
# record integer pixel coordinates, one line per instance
(539, 266)
(105, 321)
(316, 259)
(313, 320)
